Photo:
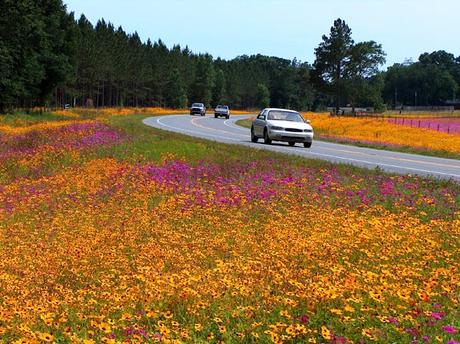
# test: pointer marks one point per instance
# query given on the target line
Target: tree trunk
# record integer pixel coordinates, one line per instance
(338, 90)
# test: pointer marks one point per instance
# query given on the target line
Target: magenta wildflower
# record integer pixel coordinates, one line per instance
(437, 315)
(450, 329)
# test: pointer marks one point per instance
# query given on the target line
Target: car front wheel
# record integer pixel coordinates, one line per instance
(267, 139)
(307, 144)
(291, 144)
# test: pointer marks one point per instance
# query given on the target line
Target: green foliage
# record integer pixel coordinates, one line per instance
(201, 90)
(433, 80)
(263, 96)
(175, 95)
(218, 92)
(342, 67)
(36, 50)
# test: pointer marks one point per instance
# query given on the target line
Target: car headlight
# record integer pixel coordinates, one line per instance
(276, 128)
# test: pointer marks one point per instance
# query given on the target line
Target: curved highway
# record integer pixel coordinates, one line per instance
(226, 131)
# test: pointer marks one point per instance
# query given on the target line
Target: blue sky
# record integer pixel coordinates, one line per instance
(284, 28)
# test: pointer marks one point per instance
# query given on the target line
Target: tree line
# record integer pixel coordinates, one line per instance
(48, 57)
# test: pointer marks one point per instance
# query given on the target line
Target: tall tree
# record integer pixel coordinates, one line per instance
(175, 95)
(218, 92)
(332, 58)
(204, 80)
(36, 44)
(263, 96)
(341, 63)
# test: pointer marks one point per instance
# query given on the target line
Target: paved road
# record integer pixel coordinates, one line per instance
(227, 131)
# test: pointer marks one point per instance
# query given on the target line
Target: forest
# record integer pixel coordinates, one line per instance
(50, 58)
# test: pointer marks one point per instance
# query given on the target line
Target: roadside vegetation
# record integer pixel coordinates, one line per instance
(111, 231)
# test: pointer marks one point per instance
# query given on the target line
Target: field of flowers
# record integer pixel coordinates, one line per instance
(112, 232)
(388, 134)
(445, 125)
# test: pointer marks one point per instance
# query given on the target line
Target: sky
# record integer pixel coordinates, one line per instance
(283, 28)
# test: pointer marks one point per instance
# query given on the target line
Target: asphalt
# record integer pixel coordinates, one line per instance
(226, 131)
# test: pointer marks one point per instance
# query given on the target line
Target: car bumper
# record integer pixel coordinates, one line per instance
(286, 136)
(196, 112)
(221, 114)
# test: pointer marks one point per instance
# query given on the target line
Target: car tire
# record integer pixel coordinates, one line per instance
(215, 116)
(227, 117)
(307, 144)
(254, 138)
(267, 140)
(291, 143)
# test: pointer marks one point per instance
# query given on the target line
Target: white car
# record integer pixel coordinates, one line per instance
(282, 125)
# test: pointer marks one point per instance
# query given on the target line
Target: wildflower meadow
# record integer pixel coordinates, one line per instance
(113, 232)
(392, 133)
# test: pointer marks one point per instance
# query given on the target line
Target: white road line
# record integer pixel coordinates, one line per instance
(195, 123)
(177, 129)
(234, 126)
(367, 162)
(424, 159)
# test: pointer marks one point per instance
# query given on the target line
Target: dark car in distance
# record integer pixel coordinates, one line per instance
(198, 109)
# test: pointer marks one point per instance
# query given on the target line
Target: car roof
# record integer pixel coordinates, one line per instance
(277, 109)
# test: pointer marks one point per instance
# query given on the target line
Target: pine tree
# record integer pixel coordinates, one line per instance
(218, 93)
(175, 95)
(263, 96)
(204, 80)
(341, 64)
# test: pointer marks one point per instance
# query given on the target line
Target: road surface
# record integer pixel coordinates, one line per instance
(226, 131)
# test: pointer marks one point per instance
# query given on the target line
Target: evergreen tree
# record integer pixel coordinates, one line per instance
(263, 96)
(218, 92)
(204, 80)
(175, 95)
(341, 65)
(21, 33)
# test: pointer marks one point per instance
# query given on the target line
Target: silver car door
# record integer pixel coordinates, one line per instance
(259, 124)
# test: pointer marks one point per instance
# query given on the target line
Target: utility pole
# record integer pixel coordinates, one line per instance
(396, 97)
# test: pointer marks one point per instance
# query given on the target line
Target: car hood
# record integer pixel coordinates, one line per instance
(288, 124)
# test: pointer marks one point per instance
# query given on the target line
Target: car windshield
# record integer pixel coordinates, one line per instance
(285, 116)
(197, 105)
